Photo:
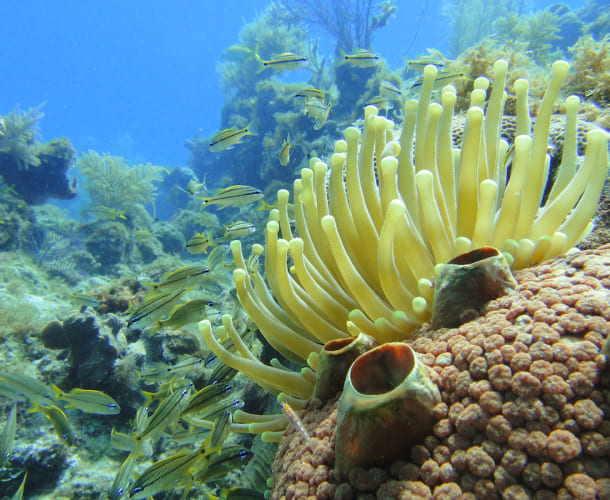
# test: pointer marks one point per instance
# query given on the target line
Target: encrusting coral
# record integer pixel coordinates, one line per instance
(524, 410)
(374, 231)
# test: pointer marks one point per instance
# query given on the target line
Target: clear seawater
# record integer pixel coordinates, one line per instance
(137, 78)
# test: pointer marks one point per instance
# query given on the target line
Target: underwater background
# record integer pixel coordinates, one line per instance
(139, 139)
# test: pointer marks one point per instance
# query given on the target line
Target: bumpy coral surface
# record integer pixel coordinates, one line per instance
(525, 402)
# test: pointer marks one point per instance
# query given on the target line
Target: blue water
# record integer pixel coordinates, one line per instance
(138, 77)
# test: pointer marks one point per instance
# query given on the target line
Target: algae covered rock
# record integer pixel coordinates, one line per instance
(45, 463)
(91, 349)
(108, 242)
(47, 180)
(16, 219)
(171, 238)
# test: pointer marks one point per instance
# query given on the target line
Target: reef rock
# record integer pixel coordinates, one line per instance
(37, 184)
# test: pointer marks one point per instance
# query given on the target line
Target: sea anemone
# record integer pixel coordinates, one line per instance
(372, 231)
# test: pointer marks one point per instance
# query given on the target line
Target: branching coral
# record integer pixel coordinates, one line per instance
(374, 229)
(110, 182)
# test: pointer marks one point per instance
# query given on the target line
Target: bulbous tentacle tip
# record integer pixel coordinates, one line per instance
(467, 282)
(385, 408)
(335, 359)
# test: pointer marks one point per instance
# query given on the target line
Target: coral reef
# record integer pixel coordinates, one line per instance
(350, 275)
(256, 96)
(376, 227)
(17, 220)
(471, 21)
(524, 396)
(350, 22)
(108, 242)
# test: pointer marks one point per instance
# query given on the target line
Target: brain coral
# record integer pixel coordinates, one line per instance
(525, 402)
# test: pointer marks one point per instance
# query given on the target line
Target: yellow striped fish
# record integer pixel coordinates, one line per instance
(284, 62)
(233, 196)
(96, 402)
(228, 138)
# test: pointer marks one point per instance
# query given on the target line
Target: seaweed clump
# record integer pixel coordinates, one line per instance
(591, 70)
(539, 31)
(350, 23)
(111, 182)
(471, 21)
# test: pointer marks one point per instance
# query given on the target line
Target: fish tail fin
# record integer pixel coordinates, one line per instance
(249, 130)
(57, 392)
(264, 205)
(157, 327)
(34, 407)
(210, 238)
(262, 64)
(150, 286)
